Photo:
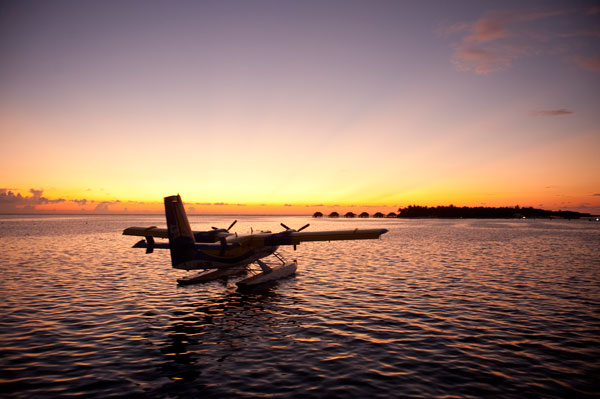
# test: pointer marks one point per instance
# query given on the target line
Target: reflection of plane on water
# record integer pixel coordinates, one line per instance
(222, 253)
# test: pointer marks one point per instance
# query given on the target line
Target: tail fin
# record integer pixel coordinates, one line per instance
(181, 237)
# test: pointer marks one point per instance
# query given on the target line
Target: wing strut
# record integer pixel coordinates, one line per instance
(150, 242)
(265, 268)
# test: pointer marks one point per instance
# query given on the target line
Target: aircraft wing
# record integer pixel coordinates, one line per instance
(335, 235)
(295, 237)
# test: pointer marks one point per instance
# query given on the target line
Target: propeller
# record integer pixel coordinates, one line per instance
(222, 239)
(300, 229)
(289, 230)
(227, 229)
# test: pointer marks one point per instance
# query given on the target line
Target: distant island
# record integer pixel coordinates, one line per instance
(465, 212)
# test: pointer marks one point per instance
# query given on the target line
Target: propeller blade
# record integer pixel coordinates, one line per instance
(285, 227)
(231, 225)
(303, 227)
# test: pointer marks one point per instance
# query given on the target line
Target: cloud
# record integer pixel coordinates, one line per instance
(492, 26)
(471, 57)
(37, 199)
(220, 203)
(36, 193)
(103, 205)
(490, 44)
(493, 42)
(596, 195)
(12, 201)
(590, 64)
(593, 10)
(551, 112)
(8, 197)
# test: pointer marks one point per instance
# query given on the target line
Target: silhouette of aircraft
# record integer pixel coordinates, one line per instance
(222, 253)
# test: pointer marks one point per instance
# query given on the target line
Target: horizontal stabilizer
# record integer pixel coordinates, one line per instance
(146, 231)
(199, 236)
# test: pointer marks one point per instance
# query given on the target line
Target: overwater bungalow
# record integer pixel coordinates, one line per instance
(350, 215)
(317, 214)
(334, 215)
(378, 215)
(363, 215)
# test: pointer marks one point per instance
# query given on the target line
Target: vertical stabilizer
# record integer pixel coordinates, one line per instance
(181, 237)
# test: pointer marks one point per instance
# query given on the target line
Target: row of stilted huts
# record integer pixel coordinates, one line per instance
(354, 215)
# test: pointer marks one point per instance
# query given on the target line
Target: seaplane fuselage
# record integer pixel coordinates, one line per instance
(222, 251)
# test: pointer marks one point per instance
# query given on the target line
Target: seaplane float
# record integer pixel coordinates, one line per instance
(220, 253)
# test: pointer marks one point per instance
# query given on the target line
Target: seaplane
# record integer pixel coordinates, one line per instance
(221, 253)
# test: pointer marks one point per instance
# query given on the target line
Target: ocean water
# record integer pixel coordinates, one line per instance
(436, 308)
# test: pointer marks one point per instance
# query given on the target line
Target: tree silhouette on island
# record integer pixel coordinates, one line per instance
(480, 212)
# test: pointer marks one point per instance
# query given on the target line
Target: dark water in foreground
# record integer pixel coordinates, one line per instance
(494, 308)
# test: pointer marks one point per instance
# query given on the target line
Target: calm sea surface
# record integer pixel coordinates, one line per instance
(459, 308)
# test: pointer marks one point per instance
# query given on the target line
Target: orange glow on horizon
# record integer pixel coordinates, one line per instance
(38, 202)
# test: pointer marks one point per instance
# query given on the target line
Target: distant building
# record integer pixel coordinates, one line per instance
(334, 215)
(391, 215)
(317, 215)
(363, 215)
(378, 215)
(350, 215)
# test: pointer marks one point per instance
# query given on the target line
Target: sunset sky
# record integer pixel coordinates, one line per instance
(292, 107)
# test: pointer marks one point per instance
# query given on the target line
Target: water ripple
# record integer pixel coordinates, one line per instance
(435, 309)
